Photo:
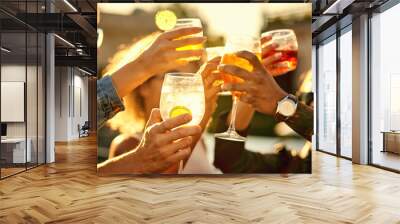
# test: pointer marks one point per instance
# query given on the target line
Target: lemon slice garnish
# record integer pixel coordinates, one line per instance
(179, 110)
(165, 20)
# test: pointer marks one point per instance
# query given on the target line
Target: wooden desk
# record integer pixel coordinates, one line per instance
(391, 141)
(13, 150)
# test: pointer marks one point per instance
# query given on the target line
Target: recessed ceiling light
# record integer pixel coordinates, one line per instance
(70, 5)
(84, 71)
(64, 40)
(5, 50)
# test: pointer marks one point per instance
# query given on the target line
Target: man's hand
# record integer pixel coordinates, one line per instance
(260, 89)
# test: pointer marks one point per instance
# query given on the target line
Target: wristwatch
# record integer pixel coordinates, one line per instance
(286, 107)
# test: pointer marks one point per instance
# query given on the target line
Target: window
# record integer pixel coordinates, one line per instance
(385, 89)
(327, 96)
(346, 93)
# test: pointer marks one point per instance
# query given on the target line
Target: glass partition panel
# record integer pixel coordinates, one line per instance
(346, 94)
(22, 88)
(31, 97)
(327, 96)
(14, 153)
(41, 78)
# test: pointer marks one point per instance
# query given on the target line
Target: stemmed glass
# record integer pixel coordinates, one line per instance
(233, 45)
(190, 22)
(287, 46)
(182, 93)
(213, 52)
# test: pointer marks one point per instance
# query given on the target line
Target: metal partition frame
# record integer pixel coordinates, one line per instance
(44, 75)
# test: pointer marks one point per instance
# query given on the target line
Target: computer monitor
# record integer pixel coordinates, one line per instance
(3, 129)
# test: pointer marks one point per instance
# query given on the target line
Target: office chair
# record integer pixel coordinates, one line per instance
(84, 130)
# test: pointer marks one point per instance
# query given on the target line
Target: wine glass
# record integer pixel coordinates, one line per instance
(182, 93)
(190, 22)
(233, 45)
(213, 52)
(287, 46)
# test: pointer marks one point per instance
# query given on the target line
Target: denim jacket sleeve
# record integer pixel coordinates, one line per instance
(108, 101)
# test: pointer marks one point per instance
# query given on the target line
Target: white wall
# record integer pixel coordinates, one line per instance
(14, 73)
(70, 83)
(61, 103)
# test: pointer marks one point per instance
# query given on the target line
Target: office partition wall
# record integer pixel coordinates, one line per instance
(22, 88)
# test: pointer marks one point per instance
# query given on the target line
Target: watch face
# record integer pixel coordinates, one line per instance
(287, 108)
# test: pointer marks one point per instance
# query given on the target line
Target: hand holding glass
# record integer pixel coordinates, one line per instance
(190, 22)
(182, 93)
(287, 46)
(233, 45)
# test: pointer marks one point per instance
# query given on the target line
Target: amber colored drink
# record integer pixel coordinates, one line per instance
(190, 22)
(236, 44)
(190, 48)
(288, 56)
(232, 59)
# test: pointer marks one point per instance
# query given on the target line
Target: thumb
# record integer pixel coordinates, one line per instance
(155, 117)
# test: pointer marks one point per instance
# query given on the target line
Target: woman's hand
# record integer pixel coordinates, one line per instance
(270, 58)
(210, 74)
(260, 89)
(163, 145)
(160, 56)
